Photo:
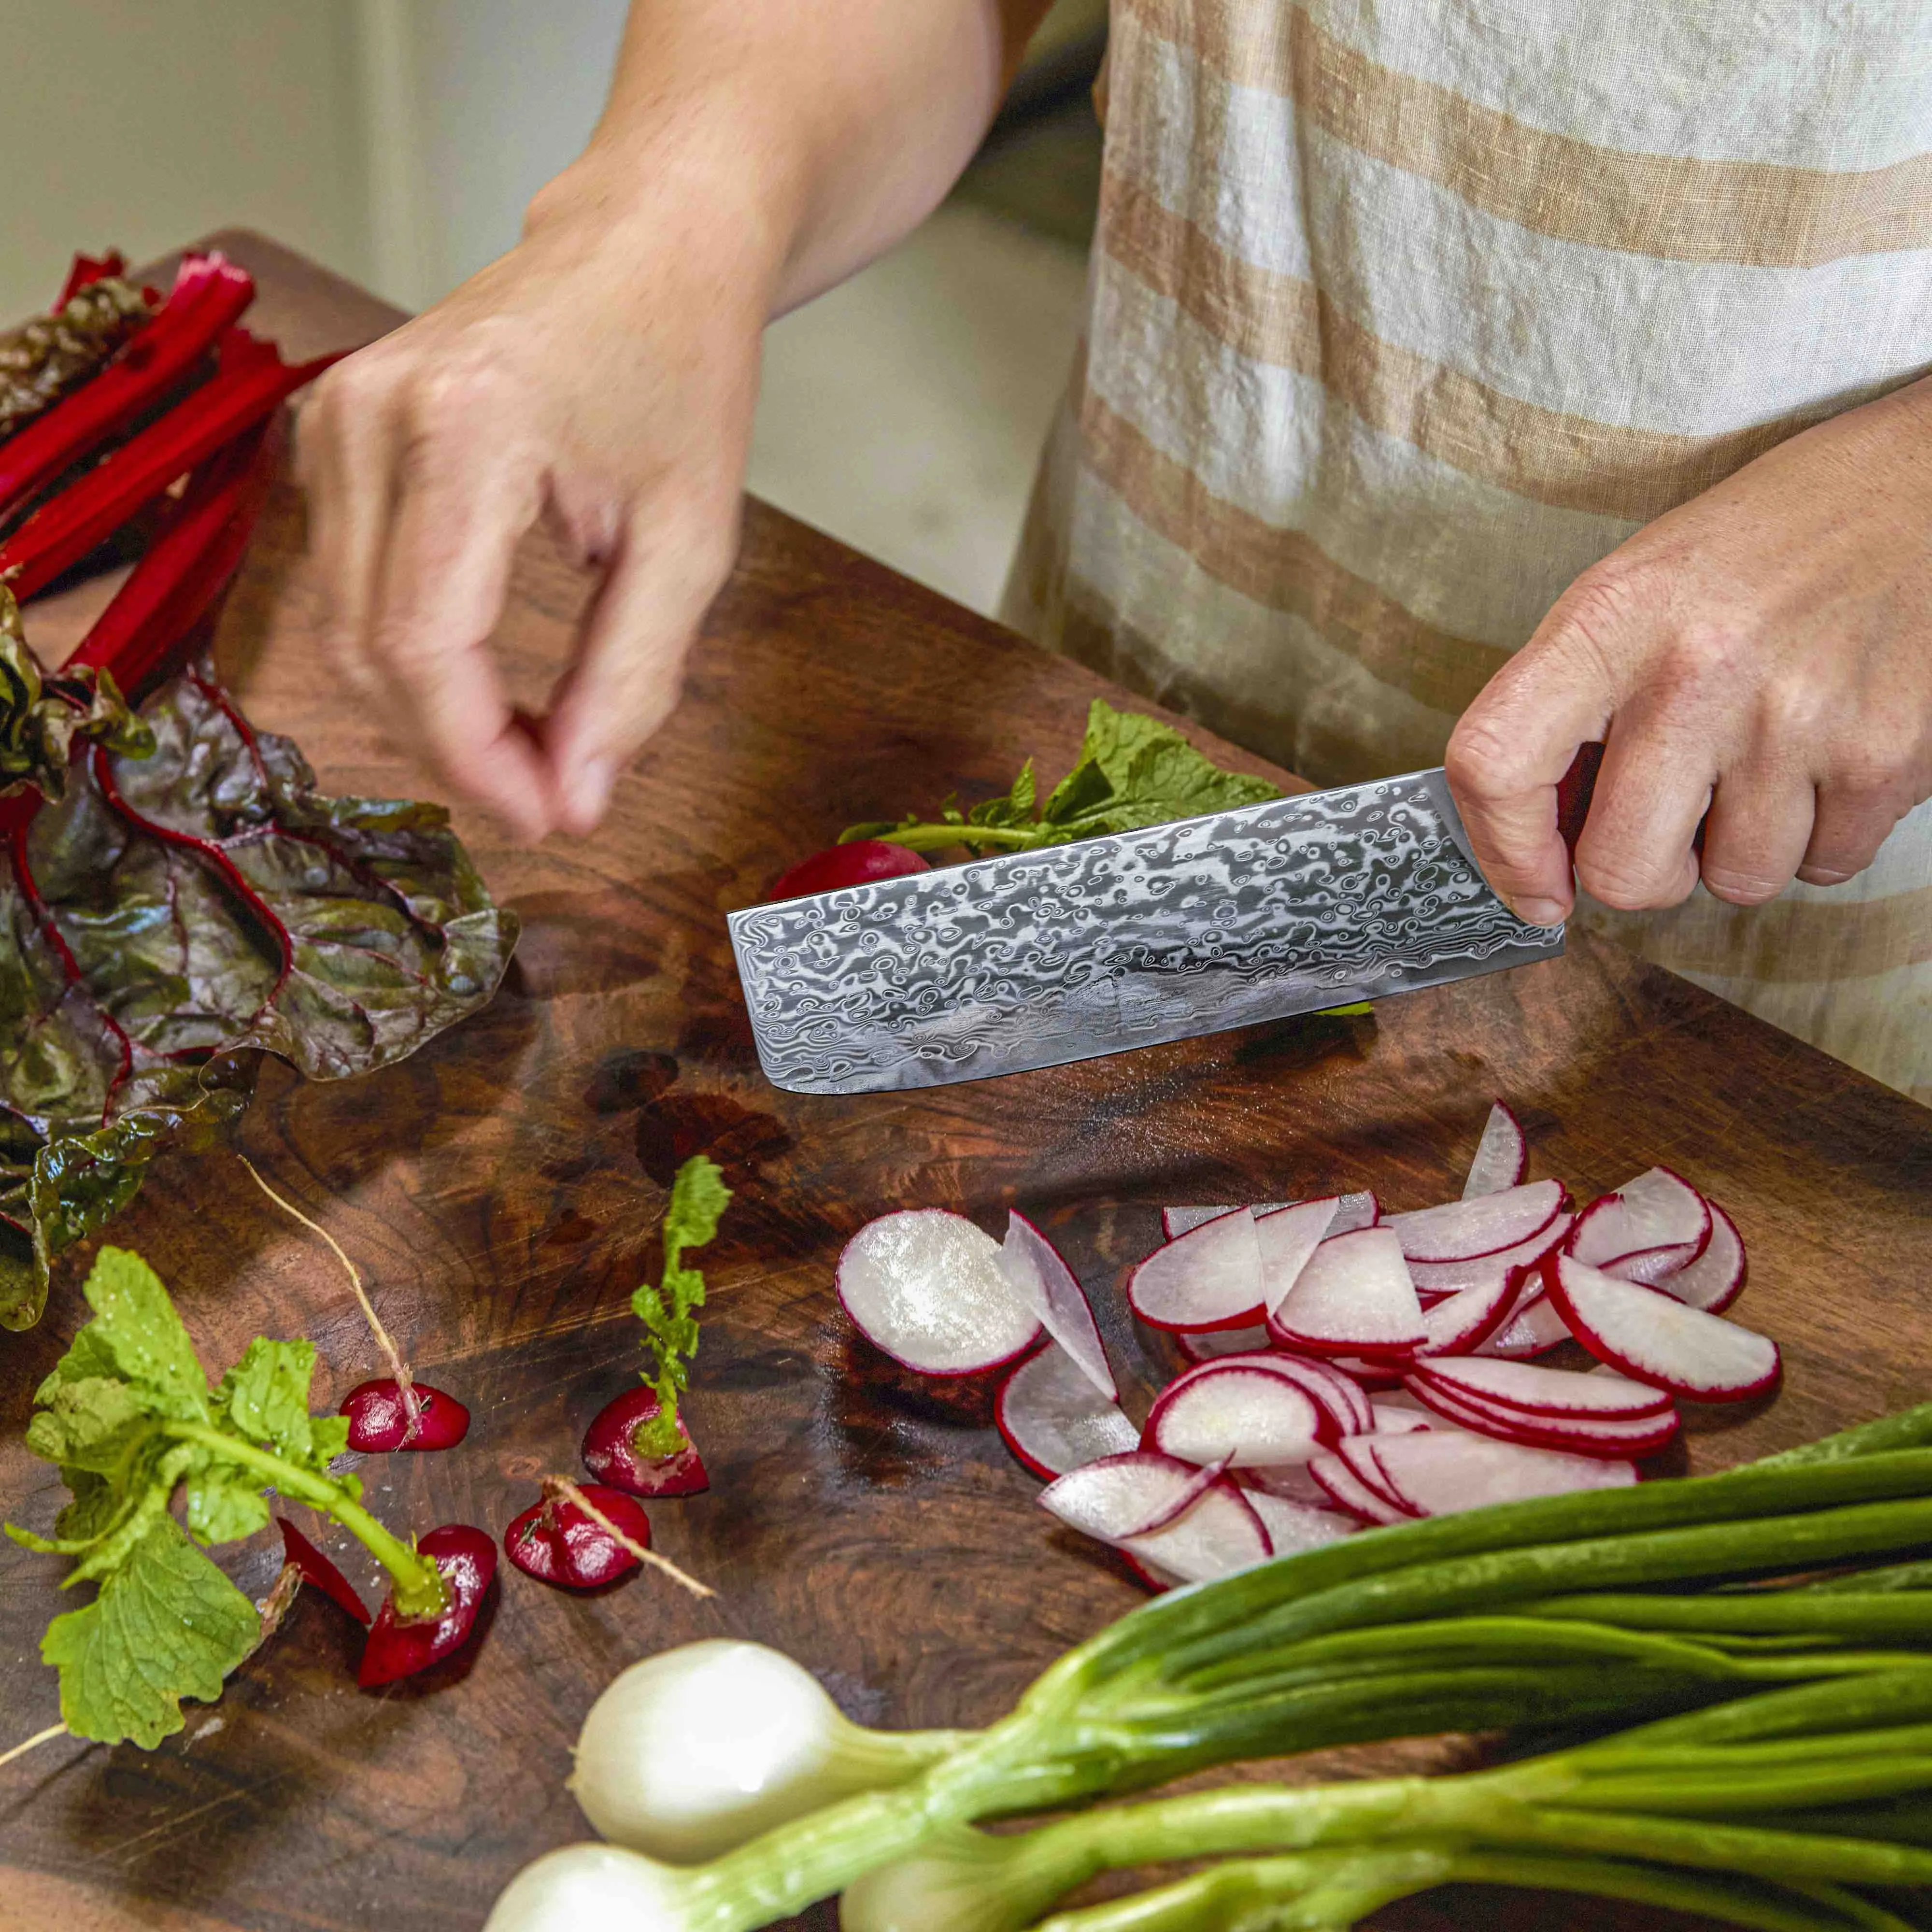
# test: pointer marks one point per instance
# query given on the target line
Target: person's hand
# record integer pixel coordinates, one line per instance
(1763, 652)
(601, 376)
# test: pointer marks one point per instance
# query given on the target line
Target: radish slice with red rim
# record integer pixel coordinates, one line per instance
(1354, 1296)
(1453, 1277)
(1207, 1279)
(1291, 1482)
(1459, 1322)
(1544, 1391)
(1054, 1419)
(1288, 1238)
(1651, 1267)
(925, 1286)
(1716, 1278)
(1251, 1418)
(1106, 1500)
(1352, 1211)
(1401, 1414)
(1203, 1479)
(1349, 1492)
(1438, 1472)
(1036, 1272)
(1534, 1329)
(1209, 1345)
(1653, 1339)
(1501, 1155)
(1460, 1230)
(1617, 1437)
(1359, 1453)
(1339, 1394)
(1293, 1527)
(1658, 1209)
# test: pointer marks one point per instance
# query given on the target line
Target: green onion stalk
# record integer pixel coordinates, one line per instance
(1527, 1618)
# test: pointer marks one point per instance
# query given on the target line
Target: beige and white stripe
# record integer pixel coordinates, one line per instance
(1404, 312)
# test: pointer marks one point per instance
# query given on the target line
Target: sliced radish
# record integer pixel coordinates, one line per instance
(1534, 1329)
(1293, 1527)
(1544, 1391)
(1651, 1267)
(1401, 1414)
(1291, 1483)
(1359, 1453)
(1175, 1222)
(1658, 1210)
(1252, 1417)
(1369, 1373)
(1208, 1345)
(1653, 1339)
(1287, 1237)
(1458, 1230)
(1044, 1282)
(1501, 1155)
(1349, 1492)
(1054, 1420)
(1716, 1278)
(1335, 1390)
(1453, 1277)
(1458, 1322)
(1355, 1210)
(1618, 1436)
(1438, 1472)
(1354, 1296)
(1106, 1500)
(925, 1286)
(1209, 1278)
(1203, 1480)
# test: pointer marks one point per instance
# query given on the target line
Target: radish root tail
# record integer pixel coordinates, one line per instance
(563, 1489)
(399, 1368)
(46, 1737)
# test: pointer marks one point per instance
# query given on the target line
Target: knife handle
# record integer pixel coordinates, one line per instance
(1578, 786)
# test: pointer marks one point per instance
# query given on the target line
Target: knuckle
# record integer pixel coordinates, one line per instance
(1484, 759)
(1741, 885)
(1628, 882)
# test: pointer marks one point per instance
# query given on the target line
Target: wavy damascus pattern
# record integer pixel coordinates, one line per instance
(1035, 957)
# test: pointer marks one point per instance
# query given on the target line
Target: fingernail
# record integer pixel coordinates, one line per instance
(590, 791)
(1539, 912)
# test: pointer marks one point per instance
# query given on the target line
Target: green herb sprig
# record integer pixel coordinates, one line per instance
(698, 1199)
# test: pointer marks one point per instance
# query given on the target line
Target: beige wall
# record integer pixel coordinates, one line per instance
(142, 123)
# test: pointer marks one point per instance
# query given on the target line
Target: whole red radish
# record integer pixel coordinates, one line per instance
(302, 1556)
(401, 1646)
(853, 865)
(555, 1542)
(379, 1419)
(611, 1454)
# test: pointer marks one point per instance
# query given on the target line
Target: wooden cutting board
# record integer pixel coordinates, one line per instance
(501, 1190)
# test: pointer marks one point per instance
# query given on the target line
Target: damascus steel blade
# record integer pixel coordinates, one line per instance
(1033, 959)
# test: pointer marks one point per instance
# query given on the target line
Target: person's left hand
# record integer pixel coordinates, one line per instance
(1762, 653)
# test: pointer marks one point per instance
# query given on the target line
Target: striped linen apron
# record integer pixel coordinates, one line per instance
(1404, 312)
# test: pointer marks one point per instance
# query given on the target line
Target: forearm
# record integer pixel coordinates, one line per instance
(805, 137)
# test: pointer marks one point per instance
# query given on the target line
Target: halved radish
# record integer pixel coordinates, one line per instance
(1293, 1527)
(1453, 1277)
(925, 1286)
(1349, 1492)
(1437, 1472)
(1209, 1345)
(1501, 1155)
(1287, 1237)
(1209, 1278)
(1054, 1420)
(1043, 1281)
(1458, 1230)
(1107, 1499)
(1544, 1391)
(1252, 1417)
(1617, 1436)
(1354, 1296)
(1658, 1210)
(1653, 1339)
(1534, 1328)
(1716, 1278)
(1458, 1322)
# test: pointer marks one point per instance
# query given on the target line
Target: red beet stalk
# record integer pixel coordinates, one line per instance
(209, 294)
(185, 569)
(251, 384)
(401, 1646)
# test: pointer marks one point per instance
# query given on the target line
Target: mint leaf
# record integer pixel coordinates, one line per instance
(166, 1625)
(698, 1199)
(136, 1327)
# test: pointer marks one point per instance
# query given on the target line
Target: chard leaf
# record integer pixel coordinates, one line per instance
(44, 721)
(42, 360)
(166, 1625)
(183, 912)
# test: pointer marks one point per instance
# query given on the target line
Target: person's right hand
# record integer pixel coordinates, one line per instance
(602, 376)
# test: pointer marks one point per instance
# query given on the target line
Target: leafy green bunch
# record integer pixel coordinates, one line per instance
(129, 1415)
(1133, 771)
(698, 1199)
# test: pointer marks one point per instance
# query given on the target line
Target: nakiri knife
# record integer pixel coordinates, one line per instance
(1030, 959)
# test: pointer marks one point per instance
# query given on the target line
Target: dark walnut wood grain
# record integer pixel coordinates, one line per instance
(501, 1190)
